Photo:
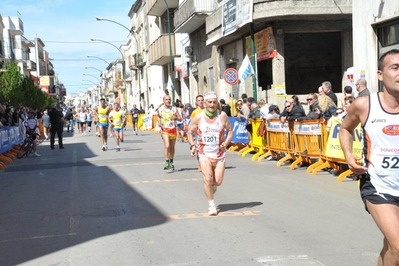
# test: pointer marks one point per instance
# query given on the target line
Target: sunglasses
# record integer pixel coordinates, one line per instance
(338, 113)
(309, 99)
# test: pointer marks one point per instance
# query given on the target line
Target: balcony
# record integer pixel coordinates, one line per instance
(159, 53)
(26, 43)
(192, 14)
(133, 61)
(29, 65)
(16, 26)
(158, 7)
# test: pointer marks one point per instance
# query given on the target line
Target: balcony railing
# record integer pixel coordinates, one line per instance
(29, 65)
(158, 7)
(160, 51)
(192, 14)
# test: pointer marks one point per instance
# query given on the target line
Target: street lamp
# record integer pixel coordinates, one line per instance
(99, 81)
(95, 84)
(87, 67)
(137, 48)
(92, 56)
(170, 53)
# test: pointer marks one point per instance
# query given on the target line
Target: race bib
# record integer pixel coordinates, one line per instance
(386, 161)
(117, 123)
(102, 116)
(210, 140)
(169, 124)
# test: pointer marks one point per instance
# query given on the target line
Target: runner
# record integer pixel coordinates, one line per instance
(167, 117)
(135, 118)
(199, 102)
(102, 114)
(379, 182)
(117, 119)
(210, 125)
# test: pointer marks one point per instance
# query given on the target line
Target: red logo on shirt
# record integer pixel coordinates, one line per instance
(391, 130)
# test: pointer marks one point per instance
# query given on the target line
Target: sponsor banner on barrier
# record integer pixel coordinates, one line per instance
(9, 136)
(147, 121)
(308, 129)
(277, 126)
(333, 147)
(240, 132)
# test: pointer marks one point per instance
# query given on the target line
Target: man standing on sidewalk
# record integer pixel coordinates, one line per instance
(211, 124)
(57, 125)
(167, 117)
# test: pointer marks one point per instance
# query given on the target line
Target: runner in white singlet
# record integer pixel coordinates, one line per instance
(379, 182)
(211, 125)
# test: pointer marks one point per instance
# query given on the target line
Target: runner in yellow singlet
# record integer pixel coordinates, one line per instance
(102, 115)
(199, 102)
(117, 119)
(167, 117)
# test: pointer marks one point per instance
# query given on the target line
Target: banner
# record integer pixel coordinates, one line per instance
(308, 129)
(240, 132)
(147, 122)
(9, 136)
(236, 13)
(333, 147)
(277, 126)
(265, 45)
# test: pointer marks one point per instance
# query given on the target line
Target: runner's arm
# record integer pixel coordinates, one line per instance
(227, 126)
(346, 132)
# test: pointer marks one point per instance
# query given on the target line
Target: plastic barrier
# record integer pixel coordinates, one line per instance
(332, 155)
(308, 141)
(240, 134)
(279, 140)
(257, 143)
(129, 121)
(9, 140)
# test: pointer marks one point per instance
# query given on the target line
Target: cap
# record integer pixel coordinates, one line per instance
(271, 108)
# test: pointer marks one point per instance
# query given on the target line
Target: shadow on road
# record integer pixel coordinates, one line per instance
(237, 206)
(61, 200)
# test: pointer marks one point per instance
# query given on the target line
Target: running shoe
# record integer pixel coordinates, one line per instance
(136, 133)
(167, 166)
(171, 167)
(106, 146)
(212, 211)
(103, 148)
(118, 149)
(215, 188)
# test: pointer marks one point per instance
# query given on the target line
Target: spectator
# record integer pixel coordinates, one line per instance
(291, 111)
(313, 105)
(57, 124)
(327, 89)
(240, 112)
(46, 124)
(348, 92)
(32, 127)
(274, 112)
(225, 107)
(7, 117)
(297, 102)
(151, 110)
(264, 108)
(361, 87)
(15, 116)
(69, 119)
(320, 90)
(327, 107)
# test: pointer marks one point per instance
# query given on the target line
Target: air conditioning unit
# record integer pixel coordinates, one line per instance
(189, 51)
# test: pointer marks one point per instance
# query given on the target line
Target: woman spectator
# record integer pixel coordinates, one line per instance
(264, 108)
(327, 107)
(46, 124)
(297, 102)
(274, 112)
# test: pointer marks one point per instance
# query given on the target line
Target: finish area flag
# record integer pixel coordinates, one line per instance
(246, 69)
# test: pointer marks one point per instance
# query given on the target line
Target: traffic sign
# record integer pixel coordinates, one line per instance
(230, 76)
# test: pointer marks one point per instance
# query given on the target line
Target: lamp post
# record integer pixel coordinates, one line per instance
(137, 48)
(92, 56)
(95, 84)
(99, 81)
(87, 67)
(123, 65)
(170, 53)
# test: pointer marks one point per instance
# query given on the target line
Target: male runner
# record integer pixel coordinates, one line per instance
(117, 118)
(135, 118)
(199, 102)
(211, 124)
(379, 183)
(167, 117)
(102, 114)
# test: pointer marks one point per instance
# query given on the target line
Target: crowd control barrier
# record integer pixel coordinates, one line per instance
(9, 140)
(257, 142)
(333, 156)
(308, 141)
(240, 138)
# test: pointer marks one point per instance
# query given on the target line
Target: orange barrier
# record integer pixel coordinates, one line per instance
(308, 139)
(41, 128)
(279, 140)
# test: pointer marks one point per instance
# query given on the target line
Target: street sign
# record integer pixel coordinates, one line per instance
(230, 76)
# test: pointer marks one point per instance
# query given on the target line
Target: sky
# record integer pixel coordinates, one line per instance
(66, 26)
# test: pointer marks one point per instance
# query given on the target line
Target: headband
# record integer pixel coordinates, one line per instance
(210, 96)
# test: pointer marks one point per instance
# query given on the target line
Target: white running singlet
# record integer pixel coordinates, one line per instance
(210, 136)
(380, 148)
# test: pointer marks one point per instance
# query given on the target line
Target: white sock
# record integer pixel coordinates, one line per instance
(211, 203)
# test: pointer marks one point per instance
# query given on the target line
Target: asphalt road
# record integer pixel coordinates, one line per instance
(84, 206)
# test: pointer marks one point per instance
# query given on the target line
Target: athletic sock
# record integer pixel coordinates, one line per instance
(211, 203)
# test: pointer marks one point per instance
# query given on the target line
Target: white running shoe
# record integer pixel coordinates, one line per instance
(36, 154)
(106, 146)
(212, 211)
